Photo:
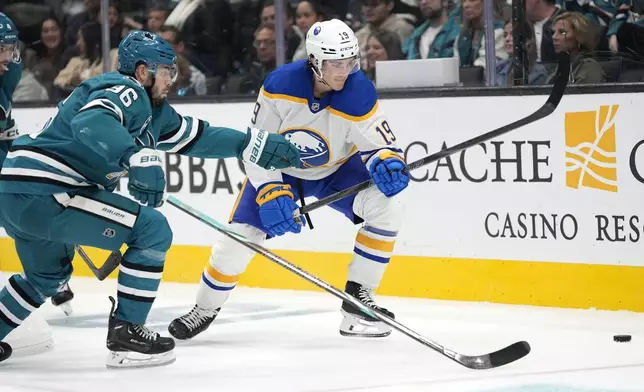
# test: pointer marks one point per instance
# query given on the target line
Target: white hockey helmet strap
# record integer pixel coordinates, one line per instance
(331, 40)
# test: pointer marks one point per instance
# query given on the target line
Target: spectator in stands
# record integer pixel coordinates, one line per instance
(542, 13)
(626, 33)
(45, 57)
(264, 43)
(156, 18)
(307, 13)
(92, 8)
(381, 46)
(470, 44)
(88, 64)
(601, 15)
(436, 36)
(379, 16)
(193, 81)
(574, 34)
(292, 36)
(537, 73)
(29, 88)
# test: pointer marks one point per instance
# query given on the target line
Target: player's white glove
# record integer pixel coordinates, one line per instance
(147, 180)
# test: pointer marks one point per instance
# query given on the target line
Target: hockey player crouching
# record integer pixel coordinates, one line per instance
(330, 112)
(56, 189)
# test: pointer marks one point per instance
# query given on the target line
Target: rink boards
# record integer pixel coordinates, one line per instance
(551, 214)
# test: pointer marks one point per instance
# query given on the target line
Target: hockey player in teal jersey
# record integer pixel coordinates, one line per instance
(10, 74)
(56, 189)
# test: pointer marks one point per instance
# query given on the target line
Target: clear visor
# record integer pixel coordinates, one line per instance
(9, 53)
(342, 66)
(166, 72)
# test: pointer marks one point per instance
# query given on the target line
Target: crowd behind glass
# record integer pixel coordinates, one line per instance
(229, 46)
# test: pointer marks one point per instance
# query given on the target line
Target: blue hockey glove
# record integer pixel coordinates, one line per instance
(386, 172)
(147, 180)
(276, 208)
(269, 150)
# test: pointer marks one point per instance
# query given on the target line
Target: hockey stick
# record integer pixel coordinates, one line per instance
(561, 80)
(563, 69)
(113, 261)
(498, 358)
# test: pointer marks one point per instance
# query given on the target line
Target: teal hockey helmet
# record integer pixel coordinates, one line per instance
(8, 40)
(142, 47)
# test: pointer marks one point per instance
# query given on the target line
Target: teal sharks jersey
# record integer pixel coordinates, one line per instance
(8, 83)
(97, 126)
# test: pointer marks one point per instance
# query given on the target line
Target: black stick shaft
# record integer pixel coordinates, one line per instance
(551, 104)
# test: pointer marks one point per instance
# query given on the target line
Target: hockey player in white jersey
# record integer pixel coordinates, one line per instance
(329, 111)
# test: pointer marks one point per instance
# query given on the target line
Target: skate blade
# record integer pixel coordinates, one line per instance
(134, 360)
(66, 308)
(353, 326)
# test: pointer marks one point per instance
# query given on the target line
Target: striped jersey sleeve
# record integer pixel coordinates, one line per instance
(191, 136)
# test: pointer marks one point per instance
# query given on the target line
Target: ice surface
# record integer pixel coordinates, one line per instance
(273, 340)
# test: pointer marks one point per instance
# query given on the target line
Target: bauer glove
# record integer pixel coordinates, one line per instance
(276, 208)
(269, 150)
(386, 171)
(146, 178)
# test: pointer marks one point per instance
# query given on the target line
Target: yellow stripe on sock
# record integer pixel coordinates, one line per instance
(218, 276)
(384, 246)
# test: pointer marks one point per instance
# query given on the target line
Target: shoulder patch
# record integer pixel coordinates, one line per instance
(289, 80)
(357, 101)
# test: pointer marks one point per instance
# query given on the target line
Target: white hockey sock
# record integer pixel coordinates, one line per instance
(371, 255)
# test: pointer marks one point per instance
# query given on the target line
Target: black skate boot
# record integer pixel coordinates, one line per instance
(357, 323)
(63, 298)
(193, 323)
(5, 351)
(133, 345)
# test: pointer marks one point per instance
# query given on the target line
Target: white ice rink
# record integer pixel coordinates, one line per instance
(269, 340)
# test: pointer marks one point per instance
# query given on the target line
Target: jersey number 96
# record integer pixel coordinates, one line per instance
(127, 97)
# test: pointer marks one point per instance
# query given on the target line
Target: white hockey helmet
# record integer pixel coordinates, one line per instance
(332, 40)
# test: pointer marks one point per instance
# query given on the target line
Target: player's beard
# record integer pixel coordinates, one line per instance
(153, 94)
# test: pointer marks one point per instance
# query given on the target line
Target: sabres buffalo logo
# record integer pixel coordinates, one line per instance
(314, 148)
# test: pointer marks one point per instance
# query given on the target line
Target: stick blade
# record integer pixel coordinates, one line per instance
(496, 359)
(111, 263)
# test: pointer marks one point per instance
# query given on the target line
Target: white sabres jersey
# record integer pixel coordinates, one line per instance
(326, 131)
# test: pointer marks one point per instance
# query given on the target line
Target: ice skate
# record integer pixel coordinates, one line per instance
(63, 299)
(355, 322)
(132, 345)
(192, 323)
(5, 351)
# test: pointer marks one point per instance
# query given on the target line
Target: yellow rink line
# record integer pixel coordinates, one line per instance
(513, 282)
